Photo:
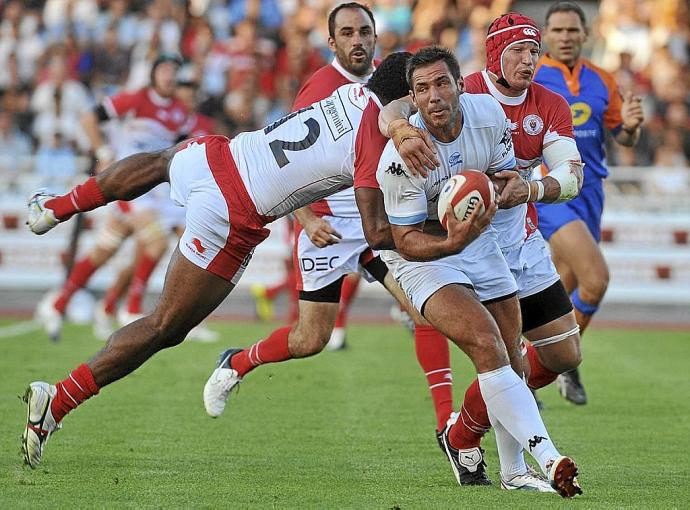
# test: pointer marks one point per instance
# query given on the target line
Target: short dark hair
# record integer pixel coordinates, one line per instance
(388, 81)
(430, 55)
(348, 5)
(566, 7)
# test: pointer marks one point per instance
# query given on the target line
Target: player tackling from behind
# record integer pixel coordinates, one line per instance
(230, 189)
(469, 132)
(541, 129)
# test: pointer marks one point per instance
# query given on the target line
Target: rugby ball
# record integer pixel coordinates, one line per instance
(466, 191)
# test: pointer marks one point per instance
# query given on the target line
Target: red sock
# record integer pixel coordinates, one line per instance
(272, 349)
(82, 198)
(539, 375)
(80, 274)
(347, 294)
(473, 421)
(111, 298)
(75, 389)
(142, 273)
(433, 356)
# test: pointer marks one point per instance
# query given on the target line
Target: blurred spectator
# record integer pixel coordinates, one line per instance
(116, 15)
(264, 13)
(56, 162)
(110, 64)
(15, 151)
(58, 104)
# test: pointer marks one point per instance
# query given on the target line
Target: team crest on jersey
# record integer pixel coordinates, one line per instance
(532, 124)
(454, 159)
(358, 96)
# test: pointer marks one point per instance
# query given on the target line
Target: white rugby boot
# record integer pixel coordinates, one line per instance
(40, 423)
(527, 481)
(337, 340)
(202, 333)
(221, 383)
(48, 316)
(40, 218)
(104, 323)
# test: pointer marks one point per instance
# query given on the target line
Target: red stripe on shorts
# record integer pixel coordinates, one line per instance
(246, 224)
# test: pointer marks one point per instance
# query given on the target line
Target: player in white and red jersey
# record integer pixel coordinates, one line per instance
(542, 130)
(152, 119)
(231, 189)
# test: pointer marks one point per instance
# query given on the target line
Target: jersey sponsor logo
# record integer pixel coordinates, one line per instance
(358, 97)
(197, 249)
(532, 124)
(198, 246)
(336, 116)
(454, 159)
(581, 113)
(318, 263)
(395, 169)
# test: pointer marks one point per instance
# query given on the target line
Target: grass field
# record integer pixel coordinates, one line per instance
(349, 429)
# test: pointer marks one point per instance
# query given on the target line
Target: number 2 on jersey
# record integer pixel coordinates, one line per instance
(278, 147)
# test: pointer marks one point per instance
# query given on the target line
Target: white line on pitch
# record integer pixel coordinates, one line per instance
(19, 328)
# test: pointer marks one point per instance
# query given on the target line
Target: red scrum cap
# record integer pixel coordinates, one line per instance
(505, 31)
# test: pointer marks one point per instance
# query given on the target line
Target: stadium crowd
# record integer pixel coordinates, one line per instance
(248, 59)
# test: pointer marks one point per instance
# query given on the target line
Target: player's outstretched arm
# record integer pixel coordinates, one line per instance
(126, 179)
(414, 145)
(320, 232)
(377, 230)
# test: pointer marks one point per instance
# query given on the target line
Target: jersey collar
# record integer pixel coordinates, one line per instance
(502, 98)
(349, 75)
(572, 78)
(157, 99)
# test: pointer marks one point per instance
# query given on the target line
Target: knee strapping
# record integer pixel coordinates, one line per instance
(109, 238)
(151, 232)
(556, 338)
(581, 306)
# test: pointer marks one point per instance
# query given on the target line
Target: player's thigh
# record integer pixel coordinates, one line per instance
(392, 286)
(455, 311)
(574, 245)
(190, 294)
(314, 325)
(506, 313)
(557, 343)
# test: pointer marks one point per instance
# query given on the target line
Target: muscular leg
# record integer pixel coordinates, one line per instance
(506, 313)
(175, 314)
(313, 329)
(577, 253)
(562, 355)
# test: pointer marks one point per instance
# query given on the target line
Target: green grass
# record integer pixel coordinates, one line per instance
(350, 429)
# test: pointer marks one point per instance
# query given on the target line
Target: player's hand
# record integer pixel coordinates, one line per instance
(631, 111)
(514, 190)
(462, 233)
(415, 146)
(321, 233)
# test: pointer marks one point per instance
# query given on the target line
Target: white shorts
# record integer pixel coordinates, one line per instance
(481, 265)
(222, 225)
(319, 267)
(532, 266)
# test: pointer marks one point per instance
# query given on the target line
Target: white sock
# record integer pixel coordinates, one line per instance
(510, 401)
(509, 451)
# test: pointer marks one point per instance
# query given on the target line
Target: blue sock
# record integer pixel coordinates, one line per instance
(581, 306)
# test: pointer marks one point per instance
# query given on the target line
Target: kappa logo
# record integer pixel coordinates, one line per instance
(529, 32)
(395, 169)
(535, 441)
(198, 246)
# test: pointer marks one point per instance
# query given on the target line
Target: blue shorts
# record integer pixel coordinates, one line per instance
(588, 207)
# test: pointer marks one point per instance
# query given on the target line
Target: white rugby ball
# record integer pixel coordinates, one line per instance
(466, 191)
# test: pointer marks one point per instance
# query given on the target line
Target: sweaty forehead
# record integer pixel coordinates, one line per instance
(351, 18)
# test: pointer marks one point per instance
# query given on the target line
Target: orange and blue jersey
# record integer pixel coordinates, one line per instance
(595, 104)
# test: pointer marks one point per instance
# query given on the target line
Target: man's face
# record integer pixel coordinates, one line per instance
(436, 94)
(354, 41)
(519, 62)
(564, 35)
(164, 79)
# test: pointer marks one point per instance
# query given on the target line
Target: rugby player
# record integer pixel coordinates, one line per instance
(231, 189)
(153, 119)
(332, 244)
(573, 229)
(541, 130)
(447, 283)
